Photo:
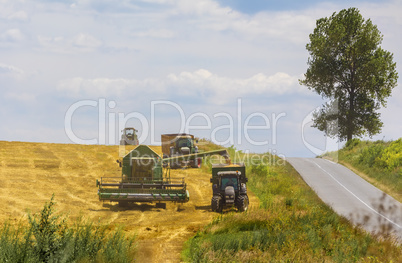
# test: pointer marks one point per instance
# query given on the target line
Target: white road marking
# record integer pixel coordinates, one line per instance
(330, 161)
(375, 211)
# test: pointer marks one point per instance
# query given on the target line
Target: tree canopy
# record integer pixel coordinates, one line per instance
(348, 66)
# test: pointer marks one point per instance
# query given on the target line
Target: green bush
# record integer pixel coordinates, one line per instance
(259, 170)
(391, 157)
(49, 232)
(379, 160)
(352, 143)
(48, 238)
(371, 155)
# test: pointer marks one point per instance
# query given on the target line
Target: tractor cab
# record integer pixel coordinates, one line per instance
(129, 132)
(129, 136)
(230, 180)
(229, 187)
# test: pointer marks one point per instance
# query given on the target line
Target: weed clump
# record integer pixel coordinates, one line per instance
(391, 157)
(49, 238)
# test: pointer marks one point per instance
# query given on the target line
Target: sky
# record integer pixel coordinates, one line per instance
(228, 71)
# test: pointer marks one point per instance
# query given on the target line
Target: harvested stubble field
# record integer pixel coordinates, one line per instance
(31, 172)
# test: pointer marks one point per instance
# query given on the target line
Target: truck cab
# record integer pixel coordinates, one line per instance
(180, 144)
(184, 145)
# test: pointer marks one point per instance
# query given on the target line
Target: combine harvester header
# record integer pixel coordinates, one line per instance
(143, 180)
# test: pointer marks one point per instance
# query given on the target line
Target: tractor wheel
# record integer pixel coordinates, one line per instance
(242, 203)
(216, 204)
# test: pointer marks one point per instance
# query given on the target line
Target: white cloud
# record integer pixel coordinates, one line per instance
(9, 69)
(54, 44)
(86, 41)
(101, 87)
(12, 35)
(223, 89)
(155, 33)
(385, 11)
(172, 18)
(201, 8)
(23, 97)
(18, 15)
(209, 15)
(200, 83)
(79, 43)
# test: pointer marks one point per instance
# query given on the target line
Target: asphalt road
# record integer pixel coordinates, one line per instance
(351, 196)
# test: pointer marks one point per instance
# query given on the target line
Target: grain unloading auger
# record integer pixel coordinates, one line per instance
(143, 179)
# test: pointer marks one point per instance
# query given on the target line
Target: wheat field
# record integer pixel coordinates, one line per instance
(31, 172)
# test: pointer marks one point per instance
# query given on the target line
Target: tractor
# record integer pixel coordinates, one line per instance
(229, 187)
(180, 144)
(129, 136)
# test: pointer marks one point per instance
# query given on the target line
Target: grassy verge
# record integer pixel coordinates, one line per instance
(379, 162)
(291, 225)
(49, 238)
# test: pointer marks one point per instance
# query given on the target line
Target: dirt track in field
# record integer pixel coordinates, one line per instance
(31, 172)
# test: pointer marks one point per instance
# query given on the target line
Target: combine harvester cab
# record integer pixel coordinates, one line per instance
(142, 180)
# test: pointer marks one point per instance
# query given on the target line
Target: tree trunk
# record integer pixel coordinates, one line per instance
(351, 114)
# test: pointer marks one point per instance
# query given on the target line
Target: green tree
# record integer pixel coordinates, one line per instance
(348, 66)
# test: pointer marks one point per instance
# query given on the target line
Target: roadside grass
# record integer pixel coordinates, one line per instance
(49, 238)
(205, 145)
(292, 224)
(380, 161)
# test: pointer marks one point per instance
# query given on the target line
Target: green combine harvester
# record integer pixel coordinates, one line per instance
(144, 180)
